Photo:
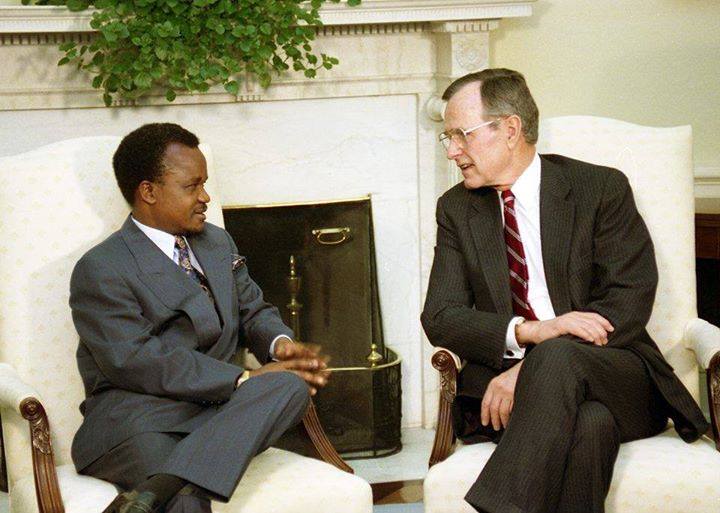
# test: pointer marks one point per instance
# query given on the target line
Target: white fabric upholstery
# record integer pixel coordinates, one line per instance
(13, 390)
(659, 474)
(703, 338)
(273, 484)
(60, 200)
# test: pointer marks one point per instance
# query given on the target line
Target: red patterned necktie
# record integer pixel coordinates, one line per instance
(516, 260)
(185, 265)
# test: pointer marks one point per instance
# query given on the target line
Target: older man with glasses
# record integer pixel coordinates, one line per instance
(543, 282)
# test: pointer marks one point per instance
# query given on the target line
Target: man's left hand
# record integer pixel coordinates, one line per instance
(286, 349)
(499, 397)
(306, 358)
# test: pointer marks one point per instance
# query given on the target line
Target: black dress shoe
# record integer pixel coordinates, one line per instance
(132, 502)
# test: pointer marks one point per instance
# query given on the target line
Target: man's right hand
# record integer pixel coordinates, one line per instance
(589, 326)
(312, 370)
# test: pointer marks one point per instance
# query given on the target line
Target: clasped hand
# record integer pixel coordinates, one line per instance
(304, 360)
(497, 403)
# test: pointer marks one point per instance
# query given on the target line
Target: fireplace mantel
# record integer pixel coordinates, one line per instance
(52, 19)
(385, 47)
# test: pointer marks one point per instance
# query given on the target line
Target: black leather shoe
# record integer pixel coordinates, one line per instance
(132, 502)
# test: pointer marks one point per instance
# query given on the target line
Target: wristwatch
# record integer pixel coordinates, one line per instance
(242, 379)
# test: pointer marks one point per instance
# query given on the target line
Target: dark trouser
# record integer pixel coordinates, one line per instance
(214, 456)
(574, 405)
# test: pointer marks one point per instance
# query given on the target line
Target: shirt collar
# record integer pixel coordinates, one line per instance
(163, 240)
(526, 188)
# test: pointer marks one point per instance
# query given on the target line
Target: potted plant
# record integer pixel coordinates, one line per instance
(190, 45)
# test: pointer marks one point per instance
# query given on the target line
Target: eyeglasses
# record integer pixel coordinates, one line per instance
(459, 135)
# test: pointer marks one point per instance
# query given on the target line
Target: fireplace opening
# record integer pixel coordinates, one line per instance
(316, 263)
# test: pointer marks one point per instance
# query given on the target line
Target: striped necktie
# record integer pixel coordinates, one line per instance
(186, 266)
(516, 260)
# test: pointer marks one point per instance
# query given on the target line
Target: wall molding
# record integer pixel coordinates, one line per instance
(707, 181)
(45, 19)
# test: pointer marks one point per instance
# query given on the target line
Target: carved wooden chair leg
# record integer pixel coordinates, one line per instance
(713, 386)
(46, 482)
(320, 441)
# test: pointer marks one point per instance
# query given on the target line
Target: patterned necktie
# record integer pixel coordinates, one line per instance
(516, 260)
(185, 265)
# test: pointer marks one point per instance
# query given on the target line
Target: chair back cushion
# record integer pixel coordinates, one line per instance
(658, 164)
(60, 200)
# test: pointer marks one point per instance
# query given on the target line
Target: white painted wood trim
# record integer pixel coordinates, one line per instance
(49, 19)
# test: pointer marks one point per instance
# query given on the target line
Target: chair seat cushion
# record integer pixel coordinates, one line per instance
(276, 481)
(662, 474)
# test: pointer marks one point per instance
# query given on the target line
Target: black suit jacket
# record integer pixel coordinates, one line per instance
(154, 353)
(597, 255)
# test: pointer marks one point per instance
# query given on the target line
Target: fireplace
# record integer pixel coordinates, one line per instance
(316, 263)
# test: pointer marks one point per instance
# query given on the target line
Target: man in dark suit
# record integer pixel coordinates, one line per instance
(543, 282)
(161, 307)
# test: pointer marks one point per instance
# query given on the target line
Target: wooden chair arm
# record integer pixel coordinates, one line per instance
(47, 488)
(713, 390)
(323, 446)
(445, 362)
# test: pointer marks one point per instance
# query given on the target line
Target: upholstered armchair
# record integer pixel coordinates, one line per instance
(663, 473)
(59, 201)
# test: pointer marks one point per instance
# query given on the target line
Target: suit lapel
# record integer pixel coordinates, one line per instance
(557, 217)
(171, 285)
(486, 226)
(218, 271)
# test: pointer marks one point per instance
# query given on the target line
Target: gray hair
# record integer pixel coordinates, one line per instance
(503, 92)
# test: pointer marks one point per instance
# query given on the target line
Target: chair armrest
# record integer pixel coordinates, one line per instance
(13, 390)
(20, 397)
(448, 364)
(704, 338)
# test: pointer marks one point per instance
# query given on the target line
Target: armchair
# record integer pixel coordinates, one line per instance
(660, 474)
(60, 200)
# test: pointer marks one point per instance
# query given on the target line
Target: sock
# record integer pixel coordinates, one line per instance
(164, 486)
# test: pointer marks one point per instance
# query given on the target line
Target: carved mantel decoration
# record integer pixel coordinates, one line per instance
(384, 47)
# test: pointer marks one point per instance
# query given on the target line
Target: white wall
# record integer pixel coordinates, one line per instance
(652, 62)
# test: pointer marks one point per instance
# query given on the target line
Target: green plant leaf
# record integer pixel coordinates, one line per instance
(232, 87)
(77, 5)
(190, 45)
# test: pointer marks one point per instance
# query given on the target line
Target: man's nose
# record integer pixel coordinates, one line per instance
(453, 150)
(204, 196)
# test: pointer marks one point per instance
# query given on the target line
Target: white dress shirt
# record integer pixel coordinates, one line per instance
(526, 190)
(166, 242)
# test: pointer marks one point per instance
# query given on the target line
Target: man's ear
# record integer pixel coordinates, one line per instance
(146, 192)
(514, 130)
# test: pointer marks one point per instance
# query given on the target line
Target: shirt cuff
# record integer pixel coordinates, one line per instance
(272, 345)
(512, 349)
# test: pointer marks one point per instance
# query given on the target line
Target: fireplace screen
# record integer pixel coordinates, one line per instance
(316, 263)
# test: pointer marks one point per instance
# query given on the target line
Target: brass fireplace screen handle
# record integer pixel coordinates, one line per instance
(331, 236)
